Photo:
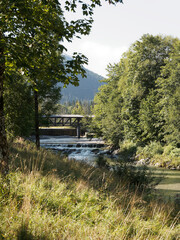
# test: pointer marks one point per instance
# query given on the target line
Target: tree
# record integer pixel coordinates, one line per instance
(25, 23)
(146, 57)
(127, 107)
(18, 105)
(168, 91)
(107, 105)
(78, 109)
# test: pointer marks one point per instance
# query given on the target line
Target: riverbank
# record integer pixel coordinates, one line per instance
(153, 154)
(50, 197)
(89, 151)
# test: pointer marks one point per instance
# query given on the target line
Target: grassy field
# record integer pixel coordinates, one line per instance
(48, 197)
(169, 187)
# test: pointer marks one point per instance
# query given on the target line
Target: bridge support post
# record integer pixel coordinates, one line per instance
(78, 129)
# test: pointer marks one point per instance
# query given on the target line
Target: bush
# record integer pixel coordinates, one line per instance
(168, 149)
(175, 152)
(139, 178)
(127, 144)
(127, 150)
(154, 148)
(171, 150)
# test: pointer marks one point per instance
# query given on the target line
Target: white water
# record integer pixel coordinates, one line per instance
(81, 149)
(85, 150)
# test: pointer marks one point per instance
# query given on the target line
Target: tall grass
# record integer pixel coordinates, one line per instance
(49, 197)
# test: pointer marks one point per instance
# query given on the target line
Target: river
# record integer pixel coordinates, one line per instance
(89, 150)
(82, 149)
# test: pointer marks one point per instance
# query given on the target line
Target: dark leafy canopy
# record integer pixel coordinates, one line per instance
(18, 106)
(31, 34)
(31, 28)
(140, 101)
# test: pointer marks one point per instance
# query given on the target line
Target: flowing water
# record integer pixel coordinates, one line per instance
(82, 149)
(87, 150)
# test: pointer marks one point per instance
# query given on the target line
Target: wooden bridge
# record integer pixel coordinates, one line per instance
(66, 120)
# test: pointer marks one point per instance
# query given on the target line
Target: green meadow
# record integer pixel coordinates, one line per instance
(169, 187)
(46, 196)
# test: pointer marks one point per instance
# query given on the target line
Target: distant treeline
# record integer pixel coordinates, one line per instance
(75, 107)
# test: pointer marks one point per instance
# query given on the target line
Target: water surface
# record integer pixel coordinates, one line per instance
(88, 150)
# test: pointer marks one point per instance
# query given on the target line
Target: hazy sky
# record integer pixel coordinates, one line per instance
(115, 28)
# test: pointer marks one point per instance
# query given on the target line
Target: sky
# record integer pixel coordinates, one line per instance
(115, 28)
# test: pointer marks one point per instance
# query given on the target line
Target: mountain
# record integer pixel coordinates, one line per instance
(86, 90)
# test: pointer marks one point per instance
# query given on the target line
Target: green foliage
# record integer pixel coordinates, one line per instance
(169, 92)
(18, 106)
(31, 53)
(78, 109)
(159, 155)
(127, 151)
(139, 179)
(75, 107)
(152, 149)
(140, 101)
(31, 36)
(149, 121)
(126, 145)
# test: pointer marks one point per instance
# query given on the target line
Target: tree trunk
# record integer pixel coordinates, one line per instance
(36, 119)
(4, 151)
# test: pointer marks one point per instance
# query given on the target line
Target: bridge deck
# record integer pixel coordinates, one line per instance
(66, 120)
(67, 116)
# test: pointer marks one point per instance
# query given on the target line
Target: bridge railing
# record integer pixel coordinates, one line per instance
(66, 120)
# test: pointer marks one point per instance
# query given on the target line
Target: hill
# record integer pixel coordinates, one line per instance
(86, 90)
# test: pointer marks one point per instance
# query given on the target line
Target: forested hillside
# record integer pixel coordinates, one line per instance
(86, 90)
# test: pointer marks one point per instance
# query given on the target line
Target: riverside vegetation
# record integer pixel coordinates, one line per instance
(153, 154)
(46, 196)
(137, 109)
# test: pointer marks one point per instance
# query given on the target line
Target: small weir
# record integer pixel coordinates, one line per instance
(79, 149)
(89, 151)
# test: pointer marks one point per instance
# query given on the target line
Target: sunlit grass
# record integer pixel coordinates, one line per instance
(169, 186)
(48, 197)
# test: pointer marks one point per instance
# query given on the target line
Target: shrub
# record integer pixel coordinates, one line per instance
(127, 150)
(138, 178)
(152, 149)
(171, 150)
(168, 149)
(175, 152)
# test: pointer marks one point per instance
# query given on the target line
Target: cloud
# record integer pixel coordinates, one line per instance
(99, 55)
